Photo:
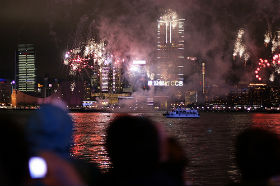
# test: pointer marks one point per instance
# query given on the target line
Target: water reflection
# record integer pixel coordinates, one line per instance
(208, 141)
(89, 137)
(268, 121)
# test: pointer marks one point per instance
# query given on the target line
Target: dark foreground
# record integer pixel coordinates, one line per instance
(207, 141)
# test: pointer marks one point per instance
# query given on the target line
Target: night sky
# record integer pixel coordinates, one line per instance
(129, 26)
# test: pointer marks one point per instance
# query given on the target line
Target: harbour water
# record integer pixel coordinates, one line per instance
(207, 141)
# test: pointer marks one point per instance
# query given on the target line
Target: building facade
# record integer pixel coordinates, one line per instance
(170, 47)
(169, 66)
(25, 68)
(5, 92)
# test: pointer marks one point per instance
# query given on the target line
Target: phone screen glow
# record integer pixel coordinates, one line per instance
(37, 167)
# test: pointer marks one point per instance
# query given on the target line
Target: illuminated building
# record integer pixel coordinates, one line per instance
(5, 92)
(104, 78)
(170, 47)
(110, 78)
(117, 79)
(138, 74)
(191, 97)
(259, 94)
(25, 68)
(94, 79)
(72, 96)
(47, 86)
(203, 78)
(169, 69)
(255, 95)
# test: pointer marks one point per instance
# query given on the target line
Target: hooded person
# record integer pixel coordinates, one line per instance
(49, 133)
(50, 128)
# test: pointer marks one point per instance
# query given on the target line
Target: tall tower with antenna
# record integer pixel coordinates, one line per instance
(170, 47)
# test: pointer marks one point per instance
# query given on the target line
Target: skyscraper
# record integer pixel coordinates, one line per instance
(105, 78)
(170, 47)
(25, 68)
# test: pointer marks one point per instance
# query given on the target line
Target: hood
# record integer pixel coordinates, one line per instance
(50, 128)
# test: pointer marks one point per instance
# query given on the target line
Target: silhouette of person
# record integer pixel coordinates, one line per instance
(176, 160)
(13, 154)
(134, 146)
(257, 156)
(49, 134)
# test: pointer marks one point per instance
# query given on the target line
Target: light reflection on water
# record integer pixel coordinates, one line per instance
(208, 141)
(89, 137)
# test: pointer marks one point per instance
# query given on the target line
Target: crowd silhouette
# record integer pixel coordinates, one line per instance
(141, 153)
(258, 157)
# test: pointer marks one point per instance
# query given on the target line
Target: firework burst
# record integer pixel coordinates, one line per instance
(239, 47)
(89, 56)
(268, 69)
(170, 18)
(85, 56)
(273, 39)
(275, 42)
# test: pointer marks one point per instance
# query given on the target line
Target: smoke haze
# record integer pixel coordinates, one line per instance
(129, 26)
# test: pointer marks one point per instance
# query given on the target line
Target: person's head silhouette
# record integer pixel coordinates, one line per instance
(132, 142)
(258, 154)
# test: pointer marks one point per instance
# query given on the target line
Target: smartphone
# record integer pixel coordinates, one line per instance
(37, 167)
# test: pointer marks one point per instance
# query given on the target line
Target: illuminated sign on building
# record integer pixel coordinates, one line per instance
(139, 62)
(161, 83)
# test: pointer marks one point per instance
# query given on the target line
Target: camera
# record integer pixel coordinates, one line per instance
(37, 167)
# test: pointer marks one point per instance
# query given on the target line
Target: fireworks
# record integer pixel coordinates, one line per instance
(239, 47)
(87, 56)
(274, 40)
(94, 60)
(267, 38)
(169, 16)
(268, 68)
(72, 86)
(261, 65)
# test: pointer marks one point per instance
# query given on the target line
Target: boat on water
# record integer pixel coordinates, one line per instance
(182, 113)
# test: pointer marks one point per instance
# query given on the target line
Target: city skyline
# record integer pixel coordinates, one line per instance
(209, 30)
(87, 63)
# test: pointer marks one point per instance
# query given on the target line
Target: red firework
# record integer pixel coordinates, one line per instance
(266, 64)
(276, 59)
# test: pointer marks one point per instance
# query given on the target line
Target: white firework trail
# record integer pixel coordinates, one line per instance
(267, 38)
(239, 46)
(273, 39)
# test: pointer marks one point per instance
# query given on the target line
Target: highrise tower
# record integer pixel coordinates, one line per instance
(170, 47)
(25, 68)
